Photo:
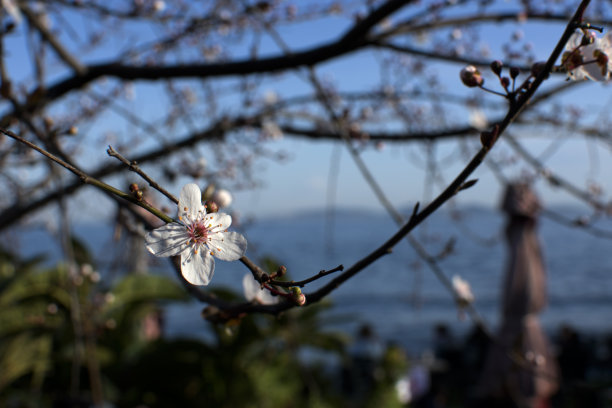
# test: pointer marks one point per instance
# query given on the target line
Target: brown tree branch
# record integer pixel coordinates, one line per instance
(217, 132)
(50, 38)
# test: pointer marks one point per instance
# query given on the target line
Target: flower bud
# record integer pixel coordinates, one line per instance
(496, 67)
(471, 77)
(297, 296)
(211, 206)
(488, 138)
(281, 271)
(223, 198)
(514, 72)
(208, 192)
(505, 82)
(537, 68)
(52, 308)
(86, 269)
(159, 5)
(134, 188)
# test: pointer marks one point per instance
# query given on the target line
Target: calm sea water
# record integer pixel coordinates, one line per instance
(398, 295)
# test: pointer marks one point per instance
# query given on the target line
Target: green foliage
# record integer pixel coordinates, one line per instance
(23, 354)
(251, 364)
(51, 316)
(60, 327)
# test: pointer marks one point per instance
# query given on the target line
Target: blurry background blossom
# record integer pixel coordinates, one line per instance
(253, 291)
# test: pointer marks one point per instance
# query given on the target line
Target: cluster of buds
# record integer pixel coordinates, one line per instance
(136, 191)
(505, 81)
(265, 293)
(85, 272)
(471, 77)
(279, 273)
(215, 198)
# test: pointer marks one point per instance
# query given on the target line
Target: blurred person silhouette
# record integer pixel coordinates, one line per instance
(360, 374)
(571, 355)
(448, 370)
(574, 357)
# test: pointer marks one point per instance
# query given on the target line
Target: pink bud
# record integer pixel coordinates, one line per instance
(298, 297)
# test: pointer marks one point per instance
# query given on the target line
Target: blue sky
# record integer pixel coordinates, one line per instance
(405, 183)
(301, 183)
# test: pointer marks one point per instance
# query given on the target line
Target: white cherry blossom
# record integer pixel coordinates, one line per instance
(196, 237)
(478, 119)
(462, 290)
(592, 61)
(270, 130)
(254, 292)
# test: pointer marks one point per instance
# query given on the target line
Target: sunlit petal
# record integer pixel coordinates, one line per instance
(168, 240)
(250, 287)
(197, 268)
(228, 246)
(218, 221)
(190, 203)
(253, 291)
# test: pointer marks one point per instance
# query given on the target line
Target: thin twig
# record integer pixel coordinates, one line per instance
(61, 51)
(87, 179)
(304, 282)
(133, 166)
(259, 274)
(553, 179)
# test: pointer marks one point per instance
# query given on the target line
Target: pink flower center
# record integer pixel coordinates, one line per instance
(198, 232)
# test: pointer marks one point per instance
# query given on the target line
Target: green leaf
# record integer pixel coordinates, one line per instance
(31, 315)
(137, 289)
(25, 354)
(28, 284)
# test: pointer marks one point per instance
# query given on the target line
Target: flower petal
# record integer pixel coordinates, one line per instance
(574, 41)
(594, 72)
(168, 240)
(218, 221)
(267, 298)
(197, 268)
(250, 287)
(190, 203)
(227, 246)
(254, 292)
